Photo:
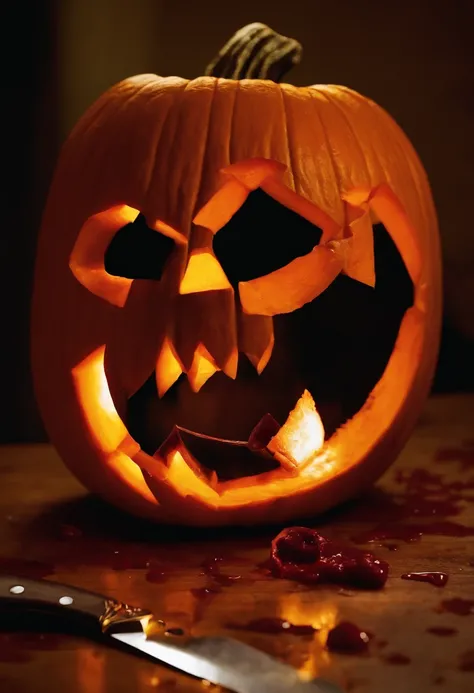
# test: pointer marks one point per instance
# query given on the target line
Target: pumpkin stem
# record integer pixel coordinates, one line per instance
(256, 52)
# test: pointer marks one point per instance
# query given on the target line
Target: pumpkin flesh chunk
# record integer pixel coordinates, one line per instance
(301, 436)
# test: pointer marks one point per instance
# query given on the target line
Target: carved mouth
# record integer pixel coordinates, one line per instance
(330, 335)
(336, 347)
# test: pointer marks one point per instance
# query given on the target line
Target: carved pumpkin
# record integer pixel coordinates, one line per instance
(237, 294)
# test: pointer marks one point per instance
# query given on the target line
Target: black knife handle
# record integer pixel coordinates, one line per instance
(52, 597)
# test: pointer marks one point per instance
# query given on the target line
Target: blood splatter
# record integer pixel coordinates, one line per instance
(466, 662)
(211, 567)
(458, 606)
(442, 631)
(397, 658)
(273, 626)
(347, 638)
(301, 554)
(434, 578)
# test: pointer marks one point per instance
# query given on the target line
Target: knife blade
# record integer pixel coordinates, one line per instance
(221, 660)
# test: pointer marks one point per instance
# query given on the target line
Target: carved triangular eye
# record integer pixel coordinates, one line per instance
(138, 251)
(261, 237)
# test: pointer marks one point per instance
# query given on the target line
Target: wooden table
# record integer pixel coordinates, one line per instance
(50, 527)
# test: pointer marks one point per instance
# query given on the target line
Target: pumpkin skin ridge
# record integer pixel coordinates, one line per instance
(276, 509)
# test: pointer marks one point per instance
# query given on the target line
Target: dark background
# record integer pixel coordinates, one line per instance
(414, 57)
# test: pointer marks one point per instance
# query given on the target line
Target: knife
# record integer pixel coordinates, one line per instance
(218, 659)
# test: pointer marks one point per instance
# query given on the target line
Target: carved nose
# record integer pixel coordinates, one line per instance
(205, 324)
(203, 273)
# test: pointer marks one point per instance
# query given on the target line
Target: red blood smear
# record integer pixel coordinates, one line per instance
(407, 533)
(157, 574)
(202, 593)
(204, 596)
(397, 658)
(69, 532)
(273, 626)
(467, 661)
(23, 567)
(212, 568)
(436, 579)
(458, 606)
(442, 631)
(301, 554)
(347, 638)
(411, 532)
(16, 647)
(464, 456)
(391, 547)
(425, 495)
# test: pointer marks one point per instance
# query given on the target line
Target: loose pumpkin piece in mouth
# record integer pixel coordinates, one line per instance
(302, 435)
(268, 448)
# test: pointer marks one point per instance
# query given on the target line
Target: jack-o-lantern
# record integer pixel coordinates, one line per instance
(237, 294)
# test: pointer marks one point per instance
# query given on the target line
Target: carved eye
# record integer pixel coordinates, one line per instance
(261, 237)
(138, 251)
(115, 247)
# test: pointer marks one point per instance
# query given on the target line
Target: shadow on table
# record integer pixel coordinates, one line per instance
(89, 532)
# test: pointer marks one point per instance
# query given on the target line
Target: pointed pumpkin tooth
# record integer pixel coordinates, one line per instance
(136, 332)
(202, 368)
(231, 363)
(206, 313)
(168, 367)
(256, 339)
(207, 318)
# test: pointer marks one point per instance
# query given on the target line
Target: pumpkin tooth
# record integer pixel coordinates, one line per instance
(202, 368)
(231, 363)
(256, 339)
(168, 367)
(207, 318)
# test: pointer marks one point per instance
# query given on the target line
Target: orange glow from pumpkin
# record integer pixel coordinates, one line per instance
(181, 477)
(302, 435)
(323, 616)
(94, 396)
(203, 273)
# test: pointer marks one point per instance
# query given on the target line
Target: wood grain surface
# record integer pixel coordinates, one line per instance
(50, 527)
